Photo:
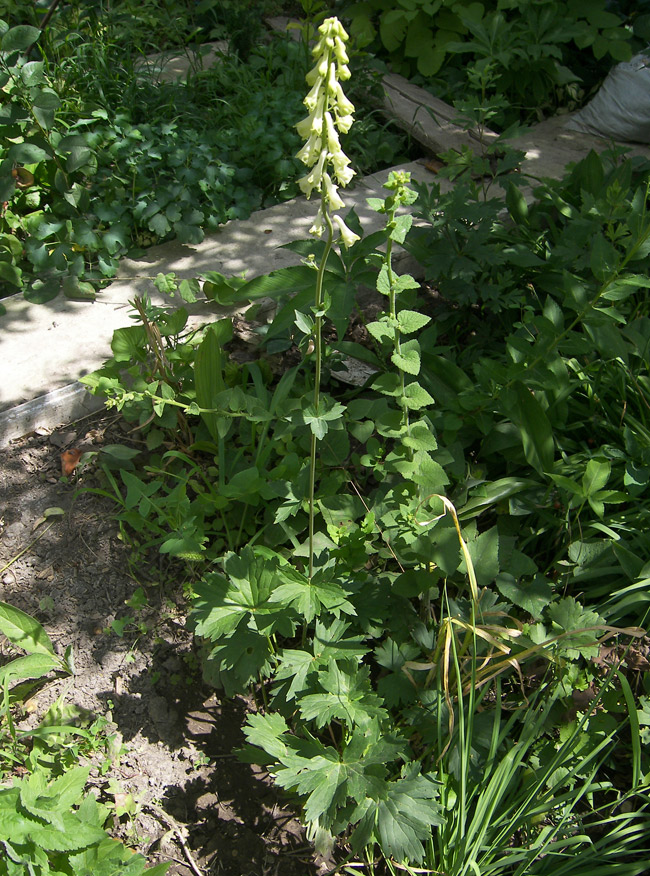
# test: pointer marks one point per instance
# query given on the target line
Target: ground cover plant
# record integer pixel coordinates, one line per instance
(50, 821)
(433, 585)
(99, 159)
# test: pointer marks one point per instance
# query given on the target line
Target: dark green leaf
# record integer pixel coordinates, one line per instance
(19, 38)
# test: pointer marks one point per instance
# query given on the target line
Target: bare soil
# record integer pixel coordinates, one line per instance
(196, 804)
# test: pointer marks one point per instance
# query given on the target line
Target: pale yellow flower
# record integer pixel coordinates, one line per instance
(331, 191)
(347, 235)
(314, 178)
(329, 112)
(318, 227)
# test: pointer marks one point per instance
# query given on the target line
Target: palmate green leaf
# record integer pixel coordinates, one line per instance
(305, 766)
(292, 673)
(318, 772)
(309, 597)
(329, 642)
(572, 619)
(346, 695)
(238, 660)
(401, 821)
(395, 687)
(248, 593)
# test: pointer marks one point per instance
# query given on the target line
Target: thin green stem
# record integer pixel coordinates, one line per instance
(318, 341)
(397, 341)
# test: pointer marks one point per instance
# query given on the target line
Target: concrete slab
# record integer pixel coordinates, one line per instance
(45, 348)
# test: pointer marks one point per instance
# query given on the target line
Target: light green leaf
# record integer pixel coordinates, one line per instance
(596, 476)
(533, 596)
(420, 437)
(411, 321)
(29, 666)
(408, 359)
(23, 630)
(380, 330)
(417, 397)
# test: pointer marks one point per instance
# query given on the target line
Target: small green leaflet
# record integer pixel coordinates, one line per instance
(411, 321)
(408, 359)
(317, 420)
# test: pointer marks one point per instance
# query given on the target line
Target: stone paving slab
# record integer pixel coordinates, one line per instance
(44, 349)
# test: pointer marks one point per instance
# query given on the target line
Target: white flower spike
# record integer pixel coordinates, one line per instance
(330, 112)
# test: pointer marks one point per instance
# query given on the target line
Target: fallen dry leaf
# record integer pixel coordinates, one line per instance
(70, 460)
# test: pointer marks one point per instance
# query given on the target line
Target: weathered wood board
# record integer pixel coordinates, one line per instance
(549, 145)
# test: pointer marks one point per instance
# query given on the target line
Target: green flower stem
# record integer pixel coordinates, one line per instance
(397, 342)
(318, 341)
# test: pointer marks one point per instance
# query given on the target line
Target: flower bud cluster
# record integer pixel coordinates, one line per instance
(330, 112)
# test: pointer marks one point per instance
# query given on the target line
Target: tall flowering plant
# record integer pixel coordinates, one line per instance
(330, 113)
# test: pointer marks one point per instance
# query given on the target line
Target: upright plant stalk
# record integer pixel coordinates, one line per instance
(329, 112)
(318, 342)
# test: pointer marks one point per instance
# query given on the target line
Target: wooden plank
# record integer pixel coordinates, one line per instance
(549, 145)
(427, 119)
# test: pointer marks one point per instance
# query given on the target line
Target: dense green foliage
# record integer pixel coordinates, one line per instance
(434, 584)
(541, 54)
(481, 518)
(98, 157)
